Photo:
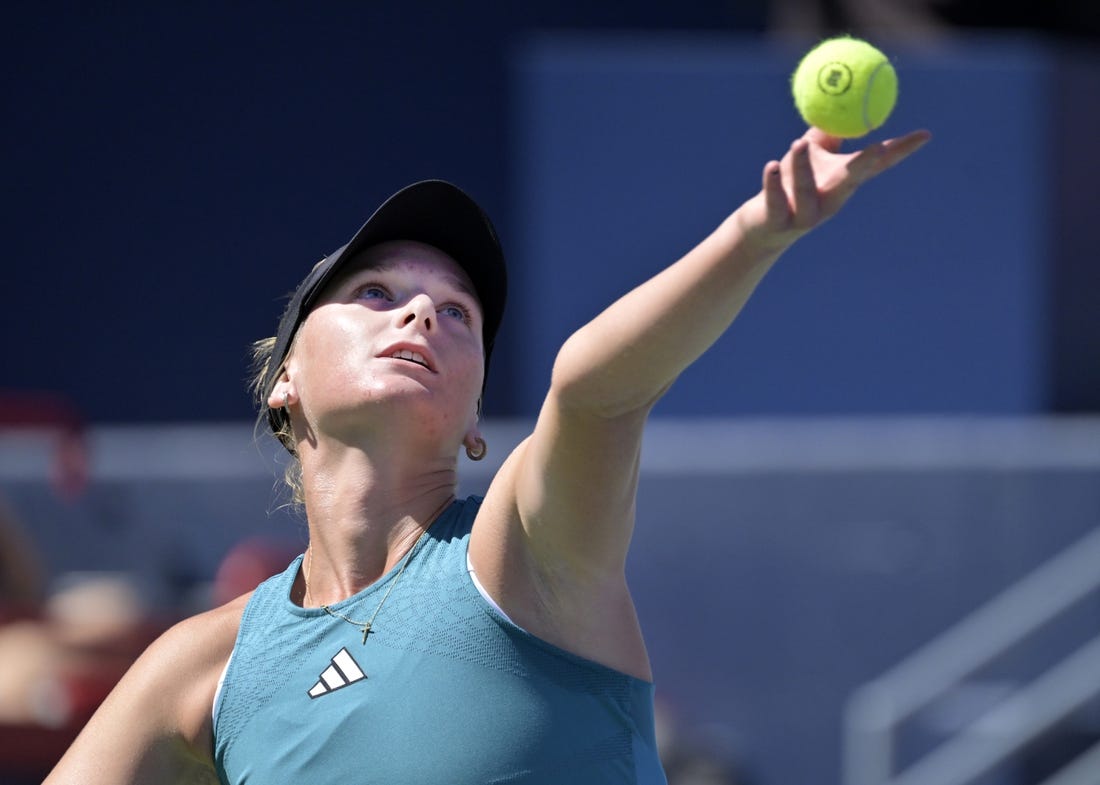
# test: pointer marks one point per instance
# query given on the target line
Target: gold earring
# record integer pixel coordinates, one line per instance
(480, 452)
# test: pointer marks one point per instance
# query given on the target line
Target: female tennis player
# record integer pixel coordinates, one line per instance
(422, 638)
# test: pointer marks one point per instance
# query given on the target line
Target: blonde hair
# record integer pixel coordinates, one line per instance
(292, 474)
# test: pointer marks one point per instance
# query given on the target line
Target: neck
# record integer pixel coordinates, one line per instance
(365, 514)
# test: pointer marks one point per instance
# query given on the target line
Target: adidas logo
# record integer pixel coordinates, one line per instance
(342, 671)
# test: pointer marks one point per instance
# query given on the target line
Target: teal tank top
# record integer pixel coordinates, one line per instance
(445, 690)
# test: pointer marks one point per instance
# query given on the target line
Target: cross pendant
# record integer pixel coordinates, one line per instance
(366, 631)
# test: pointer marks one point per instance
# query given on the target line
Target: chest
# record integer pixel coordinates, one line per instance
(344, 711)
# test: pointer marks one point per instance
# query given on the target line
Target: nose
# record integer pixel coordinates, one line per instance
(419, 310)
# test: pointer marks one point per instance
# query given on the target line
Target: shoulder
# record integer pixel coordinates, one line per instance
(178, 674)
(157, 719)
(196, 642)
(185, 663)
(549, 542)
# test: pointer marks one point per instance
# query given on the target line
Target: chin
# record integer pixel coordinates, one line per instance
(416, 406)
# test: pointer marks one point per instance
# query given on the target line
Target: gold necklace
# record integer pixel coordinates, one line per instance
(366, 626)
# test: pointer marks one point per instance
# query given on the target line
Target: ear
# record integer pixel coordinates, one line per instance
(283, 393)
(473, 440)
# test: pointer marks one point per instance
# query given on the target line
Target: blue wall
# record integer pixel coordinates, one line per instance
(929, 293)
(172, 173)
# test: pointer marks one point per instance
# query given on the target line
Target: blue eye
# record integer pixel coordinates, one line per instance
(456, 312)
(373, 292)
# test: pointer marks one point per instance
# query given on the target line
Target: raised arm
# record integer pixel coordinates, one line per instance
(612, 370)
(572, 483)
(628, 355)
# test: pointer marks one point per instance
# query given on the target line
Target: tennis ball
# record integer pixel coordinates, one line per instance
(845, 87)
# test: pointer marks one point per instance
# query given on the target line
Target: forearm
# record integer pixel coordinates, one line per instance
(629, 355)
(626, 357)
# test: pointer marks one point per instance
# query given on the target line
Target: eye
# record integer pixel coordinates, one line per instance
(373, 291)
(456, 311)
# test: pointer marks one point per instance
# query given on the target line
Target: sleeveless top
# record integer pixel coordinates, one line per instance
(445, 690)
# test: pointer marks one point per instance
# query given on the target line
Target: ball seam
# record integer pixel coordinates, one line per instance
(867, 95)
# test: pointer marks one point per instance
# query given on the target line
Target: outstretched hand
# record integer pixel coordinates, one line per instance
(812, 183)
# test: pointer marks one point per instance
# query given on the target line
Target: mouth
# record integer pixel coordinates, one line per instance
(410, 356)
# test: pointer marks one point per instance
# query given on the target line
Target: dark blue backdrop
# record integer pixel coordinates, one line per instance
(172, 171)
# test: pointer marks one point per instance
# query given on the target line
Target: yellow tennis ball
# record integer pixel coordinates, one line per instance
(845, 87)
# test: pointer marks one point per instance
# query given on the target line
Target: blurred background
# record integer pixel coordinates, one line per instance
(865, 549)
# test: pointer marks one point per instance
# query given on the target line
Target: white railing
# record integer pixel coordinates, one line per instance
(876, 711)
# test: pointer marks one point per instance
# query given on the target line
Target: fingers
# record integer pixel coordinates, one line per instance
(803, 184)
(897, 150)
(775, 198)
(822, 139)
(866, 163)
(814, 180)
(877, 158)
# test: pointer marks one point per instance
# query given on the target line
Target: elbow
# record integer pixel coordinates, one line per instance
(588, 379)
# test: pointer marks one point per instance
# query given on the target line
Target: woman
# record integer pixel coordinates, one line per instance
(420, 638)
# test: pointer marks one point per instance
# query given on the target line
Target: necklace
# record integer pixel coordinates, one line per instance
(366, 626)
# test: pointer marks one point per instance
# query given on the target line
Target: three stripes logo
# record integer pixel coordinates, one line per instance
(342, 671)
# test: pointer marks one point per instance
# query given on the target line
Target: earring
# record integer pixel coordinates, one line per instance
(480, 452)
(286, 402)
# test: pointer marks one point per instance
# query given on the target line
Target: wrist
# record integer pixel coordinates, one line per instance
(749, 236)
